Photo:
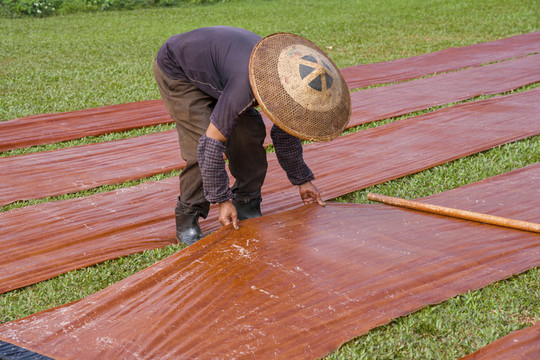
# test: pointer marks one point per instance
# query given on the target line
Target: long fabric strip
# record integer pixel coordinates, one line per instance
(441, 61)
(519, 345)
(74, 169)
(49, 128)
(296, 284)
(50, 238)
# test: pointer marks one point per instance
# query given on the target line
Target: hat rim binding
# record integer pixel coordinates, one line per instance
(277, 121)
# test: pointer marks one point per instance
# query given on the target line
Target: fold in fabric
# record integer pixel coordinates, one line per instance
(521, 344)
(296, 284)
(49, 128)
(82, 232)
(74, 169)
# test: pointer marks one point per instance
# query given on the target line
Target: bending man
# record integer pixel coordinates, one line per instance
(204, 80)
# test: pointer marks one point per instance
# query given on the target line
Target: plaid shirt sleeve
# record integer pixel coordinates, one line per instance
(290, 156)
(212, 165)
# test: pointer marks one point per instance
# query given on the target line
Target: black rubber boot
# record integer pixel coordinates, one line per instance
(249, 209)
(188, 230)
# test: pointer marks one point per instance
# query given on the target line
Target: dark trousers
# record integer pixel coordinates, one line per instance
(191, 108)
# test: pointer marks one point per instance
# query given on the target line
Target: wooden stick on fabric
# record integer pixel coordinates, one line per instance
(457, 213)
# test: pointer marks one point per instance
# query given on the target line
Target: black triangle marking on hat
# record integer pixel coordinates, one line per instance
(329, 81)
(305, 70)
(310, 58)
(316, 83)
(326, 65)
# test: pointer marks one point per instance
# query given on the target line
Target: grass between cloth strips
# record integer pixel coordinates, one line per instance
(88, 60)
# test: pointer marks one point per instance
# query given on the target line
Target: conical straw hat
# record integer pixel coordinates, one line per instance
(299, 87)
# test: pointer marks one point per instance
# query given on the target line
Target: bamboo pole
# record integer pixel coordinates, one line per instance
(457, 213)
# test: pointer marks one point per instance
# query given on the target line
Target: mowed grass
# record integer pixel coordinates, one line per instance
(87, 60)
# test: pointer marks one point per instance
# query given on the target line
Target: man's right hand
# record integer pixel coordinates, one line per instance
(227, 214)
(310, 194)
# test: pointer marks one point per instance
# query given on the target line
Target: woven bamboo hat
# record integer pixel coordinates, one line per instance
(299, 87)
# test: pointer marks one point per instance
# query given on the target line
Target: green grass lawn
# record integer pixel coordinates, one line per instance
(86, 60)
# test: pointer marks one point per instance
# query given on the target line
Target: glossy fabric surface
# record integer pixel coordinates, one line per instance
(49, 128)
(296, 284)
(445, 60)
(82, 232)
(522, 344)
(37, 175)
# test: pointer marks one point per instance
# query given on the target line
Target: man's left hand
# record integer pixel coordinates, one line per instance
(310, 194)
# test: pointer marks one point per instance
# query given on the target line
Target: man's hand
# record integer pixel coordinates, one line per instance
(310, 194)
(227, 214)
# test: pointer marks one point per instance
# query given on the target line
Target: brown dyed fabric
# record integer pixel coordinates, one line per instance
(296, 284)
(441, 61)
(49, 128)
(519, 345)
(63, 171)
(82, 232)
(399, 99)
(37, 175)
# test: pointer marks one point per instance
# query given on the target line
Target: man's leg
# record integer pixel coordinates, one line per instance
(247, 163)
(190, 108)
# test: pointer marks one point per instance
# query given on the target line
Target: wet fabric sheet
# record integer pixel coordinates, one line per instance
(50, 128)
(64, 171)
(441, 61)
(82, 232)
(519, 345)
(296, 284)
(74, 169)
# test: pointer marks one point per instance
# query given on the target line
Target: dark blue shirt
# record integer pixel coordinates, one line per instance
(215, 60)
